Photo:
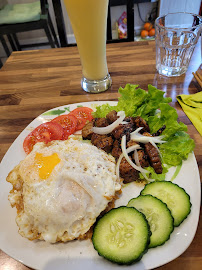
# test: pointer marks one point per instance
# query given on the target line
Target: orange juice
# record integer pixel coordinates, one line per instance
(89, 22)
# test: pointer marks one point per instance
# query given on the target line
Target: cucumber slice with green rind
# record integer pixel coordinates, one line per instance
(122, 235)
(158, 215)
(176, 198)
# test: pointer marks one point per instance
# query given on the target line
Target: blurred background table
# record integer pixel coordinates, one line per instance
(32, 82)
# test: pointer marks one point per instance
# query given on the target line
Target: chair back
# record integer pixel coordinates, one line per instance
(3, 3)
(44, 5)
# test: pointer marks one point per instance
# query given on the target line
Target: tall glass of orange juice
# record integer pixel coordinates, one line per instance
(89, 23)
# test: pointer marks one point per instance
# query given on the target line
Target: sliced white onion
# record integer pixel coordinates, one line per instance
(118, 165)
(111, 127)
(136, 131)
(137, 137)
(128, 150)
(136, 158)
(124, 151)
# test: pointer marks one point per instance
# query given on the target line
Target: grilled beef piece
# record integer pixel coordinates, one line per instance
(87, 131)
(118, 132)
(111, 117)
(131, 143)
(143, 159)
(121, 130)
(101, 122)
(103, 142)
(130, 119)
(154, 158)
(140, 122)
(146, 134)
(127, 172)
(158, 133)
(116, 150)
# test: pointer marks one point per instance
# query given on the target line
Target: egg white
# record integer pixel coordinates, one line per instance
(65, 205)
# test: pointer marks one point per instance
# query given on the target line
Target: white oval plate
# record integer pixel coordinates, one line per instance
(77, 255)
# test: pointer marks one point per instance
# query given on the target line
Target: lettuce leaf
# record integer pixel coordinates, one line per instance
(135, 102)
(151, 174)
(131, 98)
(151, 103)
(103, 110)
(177, 148)
(168, 117)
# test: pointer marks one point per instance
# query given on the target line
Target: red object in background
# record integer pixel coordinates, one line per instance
(122, 26)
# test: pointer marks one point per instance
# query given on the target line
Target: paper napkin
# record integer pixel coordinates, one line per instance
(192, 106)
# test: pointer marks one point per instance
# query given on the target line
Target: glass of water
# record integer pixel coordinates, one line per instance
(176, 37)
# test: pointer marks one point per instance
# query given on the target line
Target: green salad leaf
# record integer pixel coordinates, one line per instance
(177, 148)
(151, 174)
(168, 117)
(103, 110)
(151, 102)
(131, 98)
(135, 102)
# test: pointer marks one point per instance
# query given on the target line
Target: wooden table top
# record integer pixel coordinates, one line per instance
(32, 82)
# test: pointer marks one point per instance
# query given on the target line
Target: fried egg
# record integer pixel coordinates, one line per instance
(60, 189)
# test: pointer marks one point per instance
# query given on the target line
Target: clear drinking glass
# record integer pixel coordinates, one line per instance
(89, 23)
(176, 37)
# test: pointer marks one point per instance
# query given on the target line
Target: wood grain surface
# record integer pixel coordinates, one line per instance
(32, 82)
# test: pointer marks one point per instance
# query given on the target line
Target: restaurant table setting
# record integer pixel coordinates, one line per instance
(40, 85)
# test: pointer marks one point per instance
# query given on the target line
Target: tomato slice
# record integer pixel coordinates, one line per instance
(68, 123)
(80, 123)
(83, 112)
(44, 133)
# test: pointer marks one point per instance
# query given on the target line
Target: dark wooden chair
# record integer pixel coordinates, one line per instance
(7, 51)
(44, 22)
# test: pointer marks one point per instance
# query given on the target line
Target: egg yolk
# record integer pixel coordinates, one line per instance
(46, 164)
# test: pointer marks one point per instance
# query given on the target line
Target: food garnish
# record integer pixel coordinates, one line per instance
(68, 123)
(163, 204)
(59, 128)
(108, 129)
(44, 133)
(122, 235)
(176, 198)
(158, 215)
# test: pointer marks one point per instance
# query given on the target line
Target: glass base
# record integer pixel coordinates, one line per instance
(171, 71)
(96, 86)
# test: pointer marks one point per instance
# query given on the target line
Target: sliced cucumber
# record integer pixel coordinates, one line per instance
(176, 198)
(158, 215)
(122, 235)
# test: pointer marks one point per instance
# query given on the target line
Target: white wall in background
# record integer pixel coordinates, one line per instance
(169, 6)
